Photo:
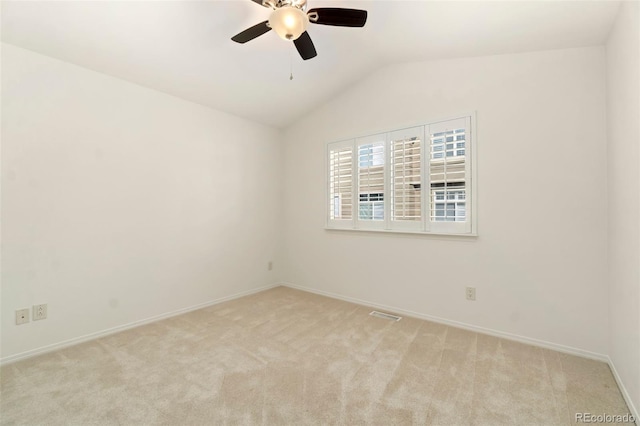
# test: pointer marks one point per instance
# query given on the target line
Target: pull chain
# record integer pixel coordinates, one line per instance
(290, 65)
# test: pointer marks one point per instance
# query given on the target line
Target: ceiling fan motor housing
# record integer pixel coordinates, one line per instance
(277, 4)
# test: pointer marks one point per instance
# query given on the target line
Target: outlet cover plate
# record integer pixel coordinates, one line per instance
(471, 293)
(39, 312)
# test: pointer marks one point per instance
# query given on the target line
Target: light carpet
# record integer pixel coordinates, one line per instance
(287, 357)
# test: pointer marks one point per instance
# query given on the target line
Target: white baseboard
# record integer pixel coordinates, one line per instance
(470, 327)
(509, 336)
(623, 390)
(103, 333)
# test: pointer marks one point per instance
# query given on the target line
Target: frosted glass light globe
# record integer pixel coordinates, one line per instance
(289, 22)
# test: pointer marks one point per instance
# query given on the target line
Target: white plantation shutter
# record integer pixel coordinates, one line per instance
(406, 165)
(341, 200)
(371, 181)
(449, 176)
(417, 179)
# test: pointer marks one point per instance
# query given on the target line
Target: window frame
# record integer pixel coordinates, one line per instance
(425, 225)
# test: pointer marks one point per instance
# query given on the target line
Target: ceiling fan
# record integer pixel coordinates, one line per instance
(289, 19)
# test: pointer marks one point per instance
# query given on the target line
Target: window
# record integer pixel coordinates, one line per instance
(371, 206)
(448, 205)
(371, 154)
(414, 180)
(448, 144)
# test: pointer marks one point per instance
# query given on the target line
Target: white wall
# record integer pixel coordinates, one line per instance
(120, 203)
(539, 263)
(623, 102)
(112, 211)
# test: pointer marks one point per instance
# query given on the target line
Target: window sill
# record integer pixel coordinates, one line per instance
(399, 231)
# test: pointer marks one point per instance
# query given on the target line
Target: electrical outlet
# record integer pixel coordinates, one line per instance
(471, 293)
(39, 312)
(22, 316)
(270, 266)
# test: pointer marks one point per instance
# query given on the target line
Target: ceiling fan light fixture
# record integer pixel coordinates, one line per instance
(289, 22)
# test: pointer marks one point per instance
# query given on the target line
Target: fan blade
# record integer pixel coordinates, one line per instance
(305, 46)
(338, 17)
(251, 33)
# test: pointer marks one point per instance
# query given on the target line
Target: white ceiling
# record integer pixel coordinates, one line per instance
(183, 47)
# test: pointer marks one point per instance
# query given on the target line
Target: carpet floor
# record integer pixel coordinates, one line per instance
(287, 357)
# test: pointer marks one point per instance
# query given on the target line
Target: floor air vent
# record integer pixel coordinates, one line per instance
(385, 316)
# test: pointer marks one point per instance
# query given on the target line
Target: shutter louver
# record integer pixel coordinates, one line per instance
(448, 171)
(341, 183)
(371, 181)
(406, 179)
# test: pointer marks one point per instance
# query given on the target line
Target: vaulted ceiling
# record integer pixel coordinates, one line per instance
(184, 48)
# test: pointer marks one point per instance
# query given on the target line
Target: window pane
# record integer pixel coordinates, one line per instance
(370, 155)
(439, 212)
(461, 212)
(378, 211)
(366, 211)
(452, 210)
(439, 144)
(336, 205)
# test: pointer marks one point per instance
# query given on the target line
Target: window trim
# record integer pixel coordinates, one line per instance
(425, 226)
